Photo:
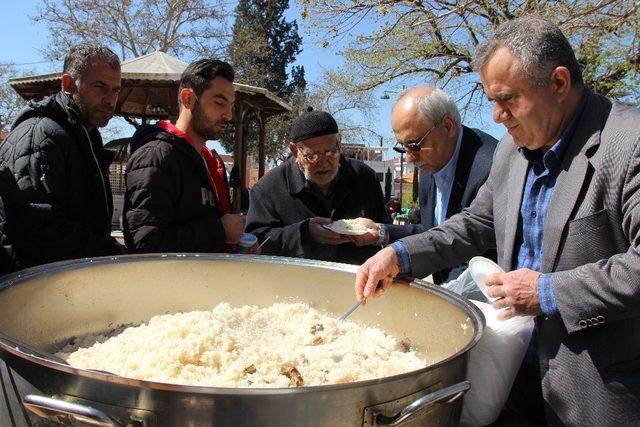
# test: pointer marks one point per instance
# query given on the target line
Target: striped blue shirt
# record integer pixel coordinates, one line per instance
(541, 178)
(538, 189)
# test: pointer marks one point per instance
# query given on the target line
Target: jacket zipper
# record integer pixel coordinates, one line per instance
(43, 179)
(104, 187)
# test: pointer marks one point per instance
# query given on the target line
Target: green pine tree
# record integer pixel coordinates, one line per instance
(263, 48)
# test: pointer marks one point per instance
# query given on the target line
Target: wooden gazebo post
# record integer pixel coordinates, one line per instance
(239, 155)
(261, 150)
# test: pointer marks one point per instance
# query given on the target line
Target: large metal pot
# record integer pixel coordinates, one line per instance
(45, 306)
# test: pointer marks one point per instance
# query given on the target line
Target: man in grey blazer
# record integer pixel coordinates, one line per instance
(562, 205)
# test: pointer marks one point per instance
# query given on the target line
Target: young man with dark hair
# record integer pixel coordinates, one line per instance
(54, 167)
(177, 197)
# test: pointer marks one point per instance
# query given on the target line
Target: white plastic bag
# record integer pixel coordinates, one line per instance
(495, 360)
(493, 365)
(465, 285)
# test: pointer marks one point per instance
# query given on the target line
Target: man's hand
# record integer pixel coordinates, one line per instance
(518, 293)
(376, 275)
(255, 249)
(322, 235)
(371, 237)
(233, 227)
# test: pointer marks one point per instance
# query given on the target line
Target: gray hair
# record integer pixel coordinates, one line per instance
(80, 56)
(539, 45)
(435, 106)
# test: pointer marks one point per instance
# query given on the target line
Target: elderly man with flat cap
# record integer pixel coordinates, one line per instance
(317, 185)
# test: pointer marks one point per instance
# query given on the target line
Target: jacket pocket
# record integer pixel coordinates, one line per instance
(589, 224)
(589, 239)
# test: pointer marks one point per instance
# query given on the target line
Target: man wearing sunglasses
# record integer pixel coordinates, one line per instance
(454, 162)
(293, 203)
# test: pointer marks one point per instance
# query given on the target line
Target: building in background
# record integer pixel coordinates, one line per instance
(402, 175)
(373, 157)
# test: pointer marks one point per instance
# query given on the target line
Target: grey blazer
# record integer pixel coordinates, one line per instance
(590, 353)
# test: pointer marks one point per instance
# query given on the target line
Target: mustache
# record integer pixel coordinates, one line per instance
(108, 110)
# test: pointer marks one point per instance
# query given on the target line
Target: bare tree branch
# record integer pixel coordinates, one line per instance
(390, 41)
(136, 27)
(10, 102)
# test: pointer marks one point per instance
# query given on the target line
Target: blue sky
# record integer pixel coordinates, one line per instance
(23, 40)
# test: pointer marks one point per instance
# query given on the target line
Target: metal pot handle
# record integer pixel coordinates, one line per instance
(446, 395)
(58, 410)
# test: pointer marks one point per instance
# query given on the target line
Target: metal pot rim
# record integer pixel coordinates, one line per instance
(14, 279)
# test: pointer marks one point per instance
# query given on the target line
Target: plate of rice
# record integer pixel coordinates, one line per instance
(350, 227)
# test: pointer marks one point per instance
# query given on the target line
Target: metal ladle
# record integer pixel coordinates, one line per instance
(359, 303)
(350, 311)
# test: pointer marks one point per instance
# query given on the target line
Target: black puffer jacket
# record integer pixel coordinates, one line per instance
(6, 261)
(169, 204)
(55, 185)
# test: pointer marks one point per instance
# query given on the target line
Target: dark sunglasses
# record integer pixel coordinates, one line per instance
(413, 145)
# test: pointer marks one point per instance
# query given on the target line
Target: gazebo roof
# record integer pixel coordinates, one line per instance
(150, 88)
(154, 66)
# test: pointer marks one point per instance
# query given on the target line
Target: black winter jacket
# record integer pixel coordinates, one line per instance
(169, 204)
(282, 203)
(6, 261)
(55, 185)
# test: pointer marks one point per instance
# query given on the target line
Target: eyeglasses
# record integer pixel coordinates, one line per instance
(413, 145)
(314, 156)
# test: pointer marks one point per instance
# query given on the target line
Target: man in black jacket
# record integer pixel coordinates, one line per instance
(6, 261)
(454, 162)
(291, 204)
(177, 197)
(54, 167)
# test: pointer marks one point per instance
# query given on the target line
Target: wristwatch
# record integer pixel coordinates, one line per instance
(383, 237)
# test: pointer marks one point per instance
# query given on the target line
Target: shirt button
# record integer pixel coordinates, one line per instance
(532, 254)
(533, 214)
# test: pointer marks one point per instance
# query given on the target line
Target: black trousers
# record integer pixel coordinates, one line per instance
(526, 398)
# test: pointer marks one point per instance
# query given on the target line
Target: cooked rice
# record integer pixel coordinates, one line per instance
(350, 225)
(283, 345)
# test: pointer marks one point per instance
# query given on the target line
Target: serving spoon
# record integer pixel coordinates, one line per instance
(350, 311)
(403, 279)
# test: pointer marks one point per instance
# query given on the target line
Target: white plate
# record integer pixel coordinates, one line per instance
(339, 227)
(480, 268)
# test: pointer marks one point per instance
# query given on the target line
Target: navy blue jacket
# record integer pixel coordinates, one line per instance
(474, 162)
